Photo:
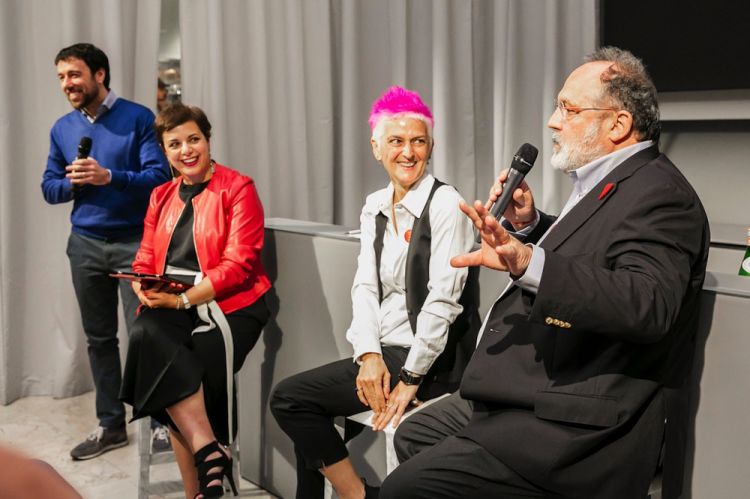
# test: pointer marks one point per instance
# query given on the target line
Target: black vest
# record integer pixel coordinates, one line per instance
(445, 373)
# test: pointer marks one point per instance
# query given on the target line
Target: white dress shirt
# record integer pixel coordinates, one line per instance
(387, 323)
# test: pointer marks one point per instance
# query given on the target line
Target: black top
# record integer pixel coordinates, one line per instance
(181, 251)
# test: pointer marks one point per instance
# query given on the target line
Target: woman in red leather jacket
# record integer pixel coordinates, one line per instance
(203, 228)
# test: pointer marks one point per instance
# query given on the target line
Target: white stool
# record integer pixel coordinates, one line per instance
(147, 488)
(391, 461)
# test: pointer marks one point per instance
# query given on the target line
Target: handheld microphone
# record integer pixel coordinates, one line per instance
(84, 147)
(519, 168)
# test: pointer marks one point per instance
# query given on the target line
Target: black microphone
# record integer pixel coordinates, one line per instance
(519, 168)
(84, 147)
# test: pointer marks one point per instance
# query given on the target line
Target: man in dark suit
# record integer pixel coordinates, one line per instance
(576, 387)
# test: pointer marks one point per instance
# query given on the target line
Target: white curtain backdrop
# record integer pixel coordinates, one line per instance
(42, 345)
(288, 84)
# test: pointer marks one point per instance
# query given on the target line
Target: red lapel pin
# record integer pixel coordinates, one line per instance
(607, 189)
(407, 235)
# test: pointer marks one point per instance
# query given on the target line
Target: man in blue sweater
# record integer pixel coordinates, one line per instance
(110, 189)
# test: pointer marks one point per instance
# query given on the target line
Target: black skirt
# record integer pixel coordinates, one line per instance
(166, 363)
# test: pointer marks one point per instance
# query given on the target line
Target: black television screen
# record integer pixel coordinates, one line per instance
(686, 45)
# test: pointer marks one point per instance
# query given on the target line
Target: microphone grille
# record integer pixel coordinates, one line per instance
(525, 157)
(84, 146)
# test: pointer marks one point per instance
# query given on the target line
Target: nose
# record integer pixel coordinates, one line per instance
(555, 120)
(185, 148)
(408, 150)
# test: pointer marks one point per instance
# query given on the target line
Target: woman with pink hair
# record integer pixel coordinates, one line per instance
(414, 316)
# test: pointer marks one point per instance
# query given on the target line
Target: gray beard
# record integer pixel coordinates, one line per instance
(571, 156)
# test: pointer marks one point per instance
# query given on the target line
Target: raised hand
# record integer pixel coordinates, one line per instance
(499, 250)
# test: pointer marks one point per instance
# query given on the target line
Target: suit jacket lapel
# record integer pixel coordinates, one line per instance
(596, 198)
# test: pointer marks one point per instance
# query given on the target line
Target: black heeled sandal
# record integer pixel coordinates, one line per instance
(222, 463)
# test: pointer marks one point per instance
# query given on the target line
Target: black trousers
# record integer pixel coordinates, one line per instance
(305, 405)
(435, 463)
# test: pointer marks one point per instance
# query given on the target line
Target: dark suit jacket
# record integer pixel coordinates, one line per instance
(572, 385)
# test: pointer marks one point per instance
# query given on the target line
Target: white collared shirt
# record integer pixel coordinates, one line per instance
(387, 323)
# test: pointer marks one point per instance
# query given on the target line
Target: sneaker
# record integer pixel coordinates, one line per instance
(160, 440)
(100, 441)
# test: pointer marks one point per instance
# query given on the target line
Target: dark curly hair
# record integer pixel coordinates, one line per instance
(627, 83)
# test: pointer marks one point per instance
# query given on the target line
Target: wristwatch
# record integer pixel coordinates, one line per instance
(409, 378)
(185, 301)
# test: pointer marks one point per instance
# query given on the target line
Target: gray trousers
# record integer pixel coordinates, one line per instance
(435, 463)
(91, 260)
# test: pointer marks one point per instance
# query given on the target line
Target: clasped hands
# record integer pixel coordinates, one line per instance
(374, 391)
(159, 295)
(500, 250)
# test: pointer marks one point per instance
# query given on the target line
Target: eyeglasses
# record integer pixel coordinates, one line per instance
(568, 111)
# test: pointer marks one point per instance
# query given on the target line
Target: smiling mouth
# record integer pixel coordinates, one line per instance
(190, 161)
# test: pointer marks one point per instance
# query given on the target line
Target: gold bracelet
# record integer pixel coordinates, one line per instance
(179, 302)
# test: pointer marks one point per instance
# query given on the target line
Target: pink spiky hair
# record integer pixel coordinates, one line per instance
(397, 100)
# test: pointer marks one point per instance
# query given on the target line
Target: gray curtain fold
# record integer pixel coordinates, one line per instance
(288, 85)
(42, 345)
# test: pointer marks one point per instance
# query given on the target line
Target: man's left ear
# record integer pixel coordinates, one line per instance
(622, 127)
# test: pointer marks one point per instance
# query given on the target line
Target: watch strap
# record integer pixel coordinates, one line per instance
(409, 378)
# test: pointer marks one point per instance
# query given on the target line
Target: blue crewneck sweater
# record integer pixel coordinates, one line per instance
(124, 141)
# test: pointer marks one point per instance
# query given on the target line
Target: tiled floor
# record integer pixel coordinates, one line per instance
(47, 428)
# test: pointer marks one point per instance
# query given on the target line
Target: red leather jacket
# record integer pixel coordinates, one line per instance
(228, 234)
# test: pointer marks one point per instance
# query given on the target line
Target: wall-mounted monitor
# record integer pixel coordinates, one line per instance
(686, 45)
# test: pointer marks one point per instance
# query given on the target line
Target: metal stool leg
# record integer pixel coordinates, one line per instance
(144, 457)
(146, 487)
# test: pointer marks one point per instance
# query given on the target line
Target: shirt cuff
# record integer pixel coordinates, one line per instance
(521, 234)
(416, 364)
(366, 346)
(533, 276)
